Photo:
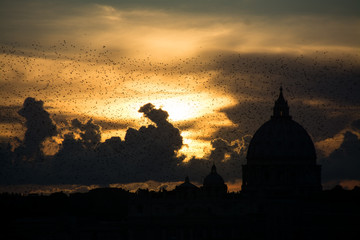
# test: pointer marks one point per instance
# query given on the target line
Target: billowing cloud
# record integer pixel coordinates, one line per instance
(149, 153)
(166, 132)
(90, 132)
(227, 156)
(344, 162)
(154, 148)
(39, 126)
(158, 116)
(213, 67)
(221, 150)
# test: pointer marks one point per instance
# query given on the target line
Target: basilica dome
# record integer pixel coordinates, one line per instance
(281, 139)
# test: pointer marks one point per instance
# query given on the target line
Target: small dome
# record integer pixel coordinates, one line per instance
(281, 139)
(213, 179)
(187, 185)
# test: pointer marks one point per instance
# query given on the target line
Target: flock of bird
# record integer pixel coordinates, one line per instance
(70, 77)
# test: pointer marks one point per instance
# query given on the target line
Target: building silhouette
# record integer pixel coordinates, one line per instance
(187, 190)
(281, 157)
(214, 186)
(281, 199)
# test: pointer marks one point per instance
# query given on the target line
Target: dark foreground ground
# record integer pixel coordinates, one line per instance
(110, 213)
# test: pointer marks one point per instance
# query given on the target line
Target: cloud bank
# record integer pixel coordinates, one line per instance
(148, 153)
(104, 60)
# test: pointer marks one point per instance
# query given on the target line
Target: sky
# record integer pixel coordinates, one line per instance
(144, 93)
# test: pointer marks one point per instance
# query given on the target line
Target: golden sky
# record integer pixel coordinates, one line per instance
(215, 69)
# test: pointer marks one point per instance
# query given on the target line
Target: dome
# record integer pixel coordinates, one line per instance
(187, 185)
(281, 139)
(213, 179)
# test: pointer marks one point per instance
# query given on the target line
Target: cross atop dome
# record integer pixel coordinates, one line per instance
(281, 108)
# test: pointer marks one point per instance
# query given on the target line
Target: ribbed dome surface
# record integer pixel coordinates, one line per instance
(281, 140)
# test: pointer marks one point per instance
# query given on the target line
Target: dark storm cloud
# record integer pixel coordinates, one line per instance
(165, 131)
(344, 162)
(149, 153)
(248, 116)
(39, 127)
(322, 91)
(314, 76)
(151, 150)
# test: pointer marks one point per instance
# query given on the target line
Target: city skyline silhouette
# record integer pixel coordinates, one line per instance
(154, 119)
(281, 195)
(149, 153)
(210, 71)
(282, 198)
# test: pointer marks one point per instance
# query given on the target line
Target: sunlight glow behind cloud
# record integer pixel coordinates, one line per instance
(210, 66)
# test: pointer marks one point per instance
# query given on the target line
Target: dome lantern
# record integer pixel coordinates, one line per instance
(281, 108)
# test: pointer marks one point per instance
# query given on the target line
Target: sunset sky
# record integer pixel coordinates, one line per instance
(215, 67)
